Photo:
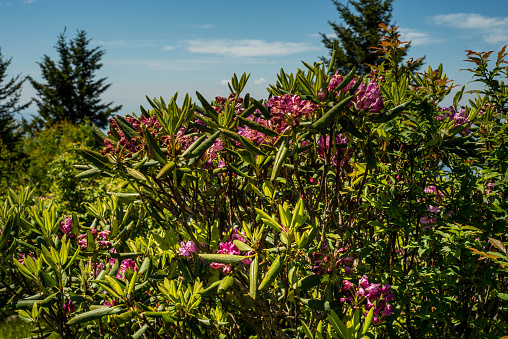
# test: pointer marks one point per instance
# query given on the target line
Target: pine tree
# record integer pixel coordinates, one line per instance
(70, 91)
(10, 94)
(357, 34)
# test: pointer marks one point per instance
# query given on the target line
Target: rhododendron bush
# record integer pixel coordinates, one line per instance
(341, 206)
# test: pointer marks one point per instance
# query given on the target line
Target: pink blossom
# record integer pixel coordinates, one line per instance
(187, 248)
(127, 264)
(433, 209)
(346, 285)
(66, 225)
(364, 281)
(68, 307)
(430, 189)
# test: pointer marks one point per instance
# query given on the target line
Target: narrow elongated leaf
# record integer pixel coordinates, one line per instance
(94, 314)
(126, 127)
(167, 169)
(226, 284)
(320, 305)
(140, 332)
(98, 135)
(269, 220)
(266, 114)
(337, 324)
(280, 157)
(347, 79)
(222, 258)
(134, 173)
(326, 119)
(348, 125)
(393, 113)
(88, 174)
(193, 146)
(208, 109)
(368, 320)
(272, 273)
(95, 158)
(242, 246)
(203, 147)
(212, 289)
(253, 277)
(257, 127)
(154, 147)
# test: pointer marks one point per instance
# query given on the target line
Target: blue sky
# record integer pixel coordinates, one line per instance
(157, 48)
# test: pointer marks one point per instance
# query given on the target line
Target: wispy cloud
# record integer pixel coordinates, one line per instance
(224, 82)
(161, 65)
(416, 37)
(259, 81)
(248, 48)
(123, 43)
(168, 48)
(492, 29)
(204, 26)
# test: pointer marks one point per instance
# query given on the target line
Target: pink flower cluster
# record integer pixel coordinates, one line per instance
(458, 118)
(368, 97)
(66, 225)
(127, 264)
(100, 237)
(375, 296)
(287, 111)
(432, 209)
(187, 248)
(230, 248)
(342, 155)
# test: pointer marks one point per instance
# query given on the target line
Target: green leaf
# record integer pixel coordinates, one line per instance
(225, 284)
(326, 119)
(337, 324)
(242, 246)
(208, 109)
(393, 113)
(222, 258)
(320, 305)
(280, 157)
(154, 147)
(347, 79)
(257, 127)
(269, 220)
(308, 282)
(348, 125)
(253, 277)
(368, 320)
(94, 314)
(167, 169)
(88, 173)
(203, 147)
(140, 332)
(212, 289)
(264, 111)
(272, 273)
(193, 146)
(134, 173)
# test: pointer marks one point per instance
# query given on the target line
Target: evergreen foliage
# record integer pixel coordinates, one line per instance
(357, 33)
(70, 90)
(10, 94)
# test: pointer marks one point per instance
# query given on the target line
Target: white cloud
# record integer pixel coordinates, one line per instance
(204, 26)
(123, 43)
(259, 81)
(224, 82)
(160, 65)
(416, 37)
(492, 29)
(248, 48)
(168, 48)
